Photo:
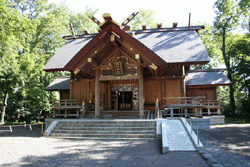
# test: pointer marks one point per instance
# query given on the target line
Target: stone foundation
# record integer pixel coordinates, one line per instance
(203, 124)
(216, 119)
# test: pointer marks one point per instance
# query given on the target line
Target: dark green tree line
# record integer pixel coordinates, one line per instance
(30, 33)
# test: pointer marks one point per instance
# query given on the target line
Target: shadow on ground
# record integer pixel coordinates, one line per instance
(113, 153)
(232, 139)
(20, 131)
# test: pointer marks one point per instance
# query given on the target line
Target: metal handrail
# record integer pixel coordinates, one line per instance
(191, 125)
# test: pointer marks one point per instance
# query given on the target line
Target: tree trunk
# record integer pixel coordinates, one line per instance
(229, 69)
(4, 105)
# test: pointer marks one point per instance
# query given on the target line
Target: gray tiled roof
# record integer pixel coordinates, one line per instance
(60, 83)
(175, 46)
(66, 53)
(206, 78)
(172, 47)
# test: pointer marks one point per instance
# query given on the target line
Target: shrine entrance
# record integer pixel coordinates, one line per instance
(124, 97)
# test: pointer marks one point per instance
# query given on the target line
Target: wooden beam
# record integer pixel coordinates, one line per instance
(113, 78)
(97, 93)
(93, 62)
(103, 60)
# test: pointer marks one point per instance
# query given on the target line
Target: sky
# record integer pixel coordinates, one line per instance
(166, 11)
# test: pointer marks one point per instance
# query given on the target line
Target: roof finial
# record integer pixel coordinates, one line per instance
(129, 19)
(107, 16)
(189, 20)
(72, 30)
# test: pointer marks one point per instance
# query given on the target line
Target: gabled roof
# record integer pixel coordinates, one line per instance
(65, 54)
(206, 78)
(176, 46)
(182, 46)
(60, 83)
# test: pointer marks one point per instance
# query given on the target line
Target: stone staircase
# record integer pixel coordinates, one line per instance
(105, 129)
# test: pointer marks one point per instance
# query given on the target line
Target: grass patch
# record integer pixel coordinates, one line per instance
(236, 121)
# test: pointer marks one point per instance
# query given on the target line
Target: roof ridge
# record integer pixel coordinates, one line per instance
(207, 70)
(152, 30)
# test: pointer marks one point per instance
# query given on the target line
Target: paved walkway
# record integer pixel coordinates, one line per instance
(25, 148)
(177, 137)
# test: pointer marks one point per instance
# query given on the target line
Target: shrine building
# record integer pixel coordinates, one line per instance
(122, 73)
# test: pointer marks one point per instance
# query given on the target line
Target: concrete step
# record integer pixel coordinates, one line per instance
(105, 129)
(71, 135)
(103, 132)
(101, 124)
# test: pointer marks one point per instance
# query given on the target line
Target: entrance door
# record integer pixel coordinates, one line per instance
(125, 100)
(124, 97)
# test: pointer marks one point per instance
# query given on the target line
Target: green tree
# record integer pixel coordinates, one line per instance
(145, 17)
(9, 46)
(31, 32)
(228, 14)
(240, 53)
(81, 21)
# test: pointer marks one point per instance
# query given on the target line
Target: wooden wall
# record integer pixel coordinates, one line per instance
(209, 93)
(152, 90)
(156, 87)
(64, 94)
(174, 88)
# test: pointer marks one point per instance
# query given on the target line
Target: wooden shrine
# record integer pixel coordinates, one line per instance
(120, 73)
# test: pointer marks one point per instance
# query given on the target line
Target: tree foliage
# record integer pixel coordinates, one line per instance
(229, 14)
(31, 32)
(145, 17)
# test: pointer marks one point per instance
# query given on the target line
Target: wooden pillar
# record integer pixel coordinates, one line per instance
(183, 86)
(163, 88)
(97, 93)
(71, 89)
(141, 93)
(88, 91)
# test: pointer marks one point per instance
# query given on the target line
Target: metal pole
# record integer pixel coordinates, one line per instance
(197, 134)
(30, 127)
(10, 129)
(191, 125)
(42, 130)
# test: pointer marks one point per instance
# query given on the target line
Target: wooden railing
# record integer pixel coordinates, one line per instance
(211, 104)
(167, 105)
(68, 107)
(182, 101)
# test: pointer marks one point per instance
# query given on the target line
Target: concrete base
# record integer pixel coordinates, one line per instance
(216, 119)
(203, 124)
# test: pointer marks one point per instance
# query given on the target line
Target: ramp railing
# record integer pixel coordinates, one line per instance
(197, 128)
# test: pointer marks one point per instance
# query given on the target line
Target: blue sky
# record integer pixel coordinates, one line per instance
(167, 11)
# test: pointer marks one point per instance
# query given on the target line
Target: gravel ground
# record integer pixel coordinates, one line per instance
(228, 144)
(26, 148)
